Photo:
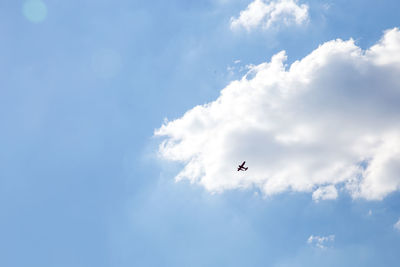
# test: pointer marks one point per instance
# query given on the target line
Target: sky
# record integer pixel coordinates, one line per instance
(123, 122)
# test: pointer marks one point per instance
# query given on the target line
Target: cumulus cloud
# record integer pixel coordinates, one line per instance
(267, 14)
(325, 192)
(320, 241)
(397, 225)
(330, 120)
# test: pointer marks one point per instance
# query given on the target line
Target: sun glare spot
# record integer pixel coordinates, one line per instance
(35, 10)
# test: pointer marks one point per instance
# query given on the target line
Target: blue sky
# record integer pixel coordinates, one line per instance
(86, 83)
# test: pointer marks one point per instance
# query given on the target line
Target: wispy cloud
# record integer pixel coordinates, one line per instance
(321, 242)
(330, 120)
(268, 13)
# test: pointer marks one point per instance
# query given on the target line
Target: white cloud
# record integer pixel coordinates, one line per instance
(325, 192)
(320, 241)
(330, 120)
(397, 225)
(267, 14)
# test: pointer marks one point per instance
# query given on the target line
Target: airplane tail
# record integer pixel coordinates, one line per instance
(246, 168)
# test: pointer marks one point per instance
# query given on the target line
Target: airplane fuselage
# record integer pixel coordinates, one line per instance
(242, 167)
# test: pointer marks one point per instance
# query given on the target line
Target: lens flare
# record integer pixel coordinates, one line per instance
(106, 63)
(35, 10)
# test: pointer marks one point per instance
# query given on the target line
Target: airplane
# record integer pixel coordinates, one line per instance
(242, 167)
